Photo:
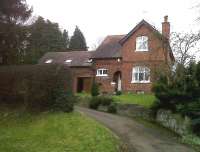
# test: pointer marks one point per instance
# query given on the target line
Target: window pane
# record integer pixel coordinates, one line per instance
(135, 77)
(142, 43)
(141, 76)
(147, 74)
(105, 72)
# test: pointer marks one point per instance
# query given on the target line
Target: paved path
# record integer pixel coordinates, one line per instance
(137, 137)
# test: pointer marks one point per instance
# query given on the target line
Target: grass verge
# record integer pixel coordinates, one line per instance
(53, 132)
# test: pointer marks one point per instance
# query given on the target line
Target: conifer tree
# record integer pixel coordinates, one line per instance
(77, 41)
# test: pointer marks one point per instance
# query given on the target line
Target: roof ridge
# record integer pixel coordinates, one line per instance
(70, 52)
(143, 21)
(117, 35)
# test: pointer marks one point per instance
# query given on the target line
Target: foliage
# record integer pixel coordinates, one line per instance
(179, 92)
(44, 36)
(34, 86)
(64, 101)
(193, 140)
(95, 102)
(95, 89)
(77, 41)
(118, 93)
(83, 99)
(51, 132)
(13, 14)
(145, 100)
(105, 100)
(112, 108)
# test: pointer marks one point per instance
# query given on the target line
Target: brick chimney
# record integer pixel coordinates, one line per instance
(166, 27)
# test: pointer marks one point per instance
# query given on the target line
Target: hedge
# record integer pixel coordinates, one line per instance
(33, 85)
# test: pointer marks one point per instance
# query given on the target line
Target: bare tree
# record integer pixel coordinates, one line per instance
(185, 46)
(98, 42)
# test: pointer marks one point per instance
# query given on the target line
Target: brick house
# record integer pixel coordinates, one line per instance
(122, 62)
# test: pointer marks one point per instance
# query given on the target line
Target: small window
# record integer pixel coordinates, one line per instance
(68, 61)
(49, 61)
(102, 72)
(142, 43)
(140, 75)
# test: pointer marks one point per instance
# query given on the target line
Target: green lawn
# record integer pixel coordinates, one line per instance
(145, 100)
(54, 132)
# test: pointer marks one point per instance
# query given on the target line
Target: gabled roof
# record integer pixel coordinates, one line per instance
(109, 48)
(143, 22)
(78, 58)
(112, 44)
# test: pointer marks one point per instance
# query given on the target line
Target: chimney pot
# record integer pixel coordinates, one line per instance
(166, 18)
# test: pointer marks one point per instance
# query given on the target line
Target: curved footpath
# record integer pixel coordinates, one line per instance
(135, 135)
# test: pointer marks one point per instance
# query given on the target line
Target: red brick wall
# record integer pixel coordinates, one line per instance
(105, 82)
(153, 59)
(81, 72)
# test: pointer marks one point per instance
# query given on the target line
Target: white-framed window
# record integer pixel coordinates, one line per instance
(142, 43)
(102, 72)
(68, 61)
(140, 74)
(49, 61)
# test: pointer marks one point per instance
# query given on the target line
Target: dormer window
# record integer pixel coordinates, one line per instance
(49, 61)
(142, 43)
(68, 61)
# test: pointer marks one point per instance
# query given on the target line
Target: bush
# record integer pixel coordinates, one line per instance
(179, 92)
(118, 93)
(94, 103)
(112, 108)
(95, 89)
(105, 101)
(64, 101)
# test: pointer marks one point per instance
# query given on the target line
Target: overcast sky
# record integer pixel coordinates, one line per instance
(98, 18)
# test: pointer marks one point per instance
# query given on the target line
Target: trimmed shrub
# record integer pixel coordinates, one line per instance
(112, 108)
(95, 89)
(94, 103)
(64, 102)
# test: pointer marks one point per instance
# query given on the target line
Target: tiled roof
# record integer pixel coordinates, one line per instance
(71, 58)
(109, 48)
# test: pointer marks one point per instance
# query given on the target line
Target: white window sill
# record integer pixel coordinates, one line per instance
(102, 75)
(141, 50)
(140, 82)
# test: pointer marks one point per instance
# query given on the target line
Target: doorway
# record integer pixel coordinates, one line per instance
(84, 84)
(117, 78)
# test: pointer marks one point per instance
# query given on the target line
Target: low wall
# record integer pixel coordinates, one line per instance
(175, 122)
(130, 110)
